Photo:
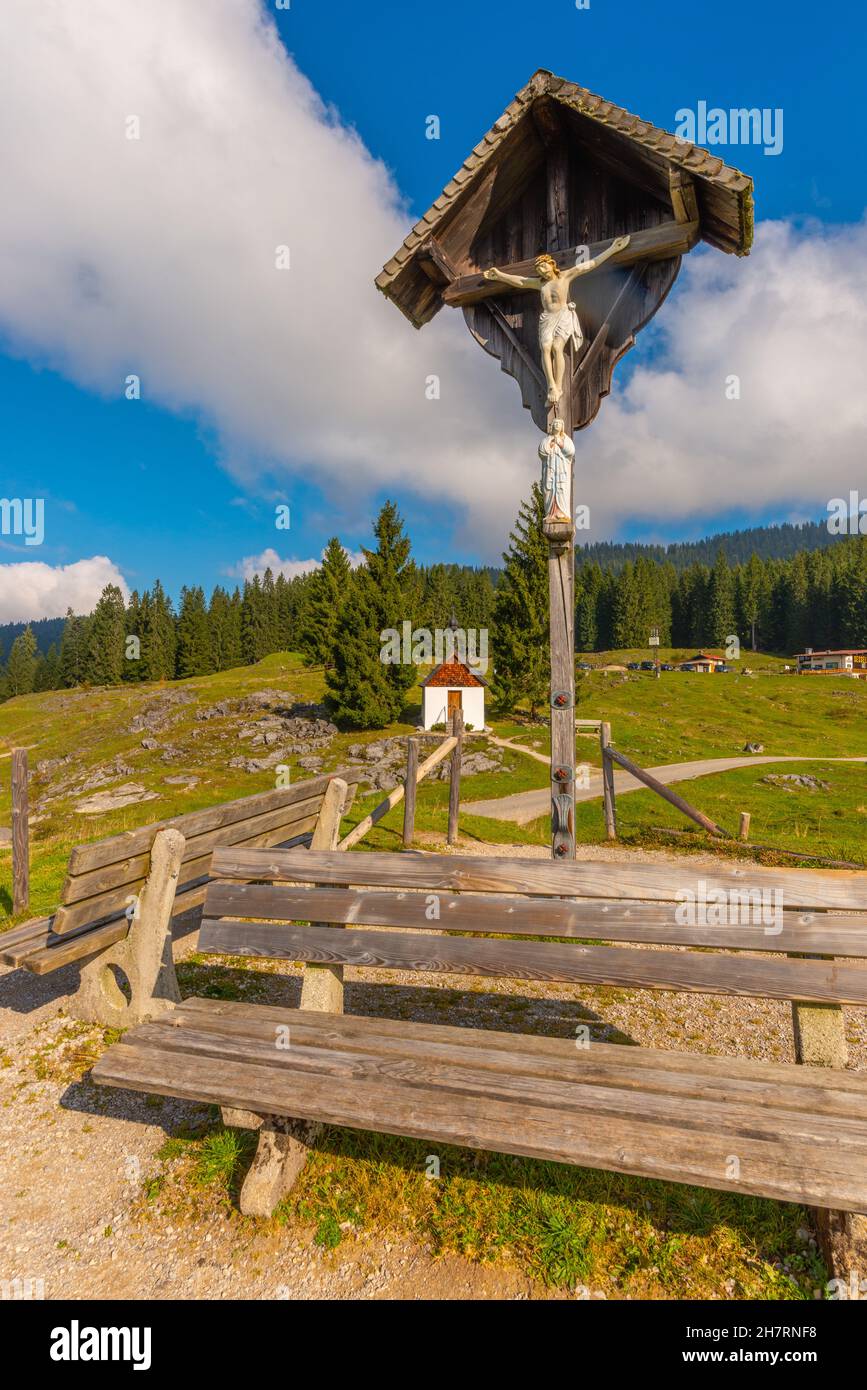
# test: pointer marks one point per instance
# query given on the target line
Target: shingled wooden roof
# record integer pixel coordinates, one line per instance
(453, 673)
(639, 152)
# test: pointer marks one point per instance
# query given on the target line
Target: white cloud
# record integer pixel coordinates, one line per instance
(157, 256)
(791, 323)
(32, 589)
(251, 565)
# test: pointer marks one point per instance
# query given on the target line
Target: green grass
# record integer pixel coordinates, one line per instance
(567, 1227)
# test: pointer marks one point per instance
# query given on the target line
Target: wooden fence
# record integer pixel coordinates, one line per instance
(406, 792)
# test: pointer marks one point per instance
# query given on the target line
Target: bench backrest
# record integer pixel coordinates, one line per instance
(102, 877)
(259, 903)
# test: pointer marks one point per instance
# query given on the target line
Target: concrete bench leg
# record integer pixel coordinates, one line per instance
(144, 956)
(820, 1041)
(284, 1143)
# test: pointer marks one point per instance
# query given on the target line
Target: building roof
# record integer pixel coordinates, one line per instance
(453, 673)
(836, 651)
(706, 656)
(645, 153)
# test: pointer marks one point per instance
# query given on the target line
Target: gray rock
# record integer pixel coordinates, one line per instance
(149, 743)
(131, 793)
(754, 748)
(796, 781)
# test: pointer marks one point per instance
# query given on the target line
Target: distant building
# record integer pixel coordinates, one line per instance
(705, 662)
(451, 686)
(849, 661)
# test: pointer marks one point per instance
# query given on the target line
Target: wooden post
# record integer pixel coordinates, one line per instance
(608, 803)
(410, 788)
(20, 833)
(744, 829)
(561, 561)
(455, 775)
(322, 986)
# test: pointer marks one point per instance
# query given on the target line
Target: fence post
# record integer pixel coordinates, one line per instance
(410, 787)
(744, 831)
(455, 776)
(608, 802)
(20, 833)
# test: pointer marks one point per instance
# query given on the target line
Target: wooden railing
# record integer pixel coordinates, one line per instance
(406, 792)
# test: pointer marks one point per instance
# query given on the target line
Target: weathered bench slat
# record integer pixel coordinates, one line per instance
(816, 981)
(832, 889)
(600, 1063)
(464, 1075)
(134, 870)
(652, 923)
(195, 871)
(847, 1088)
(665, 1146)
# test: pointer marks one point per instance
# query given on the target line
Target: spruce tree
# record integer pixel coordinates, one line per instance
(158, 636)
(194, 656)
(72, 646)
(22, 663)
(106, 639)
(327, 596)
(721, 605)
(367, 692)
(520, 621)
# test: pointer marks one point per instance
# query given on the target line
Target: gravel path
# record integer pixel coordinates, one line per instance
(523, 807)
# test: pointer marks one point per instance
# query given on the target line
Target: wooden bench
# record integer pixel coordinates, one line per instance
(121, 894)
(770, 1129)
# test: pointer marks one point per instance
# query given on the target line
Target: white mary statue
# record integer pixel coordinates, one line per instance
(557, 453)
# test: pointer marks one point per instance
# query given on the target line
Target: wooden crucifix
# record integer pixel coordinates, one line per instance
(559, 238)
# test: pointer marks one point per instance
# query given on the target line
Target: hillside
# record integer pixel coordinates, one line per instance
(175, 747)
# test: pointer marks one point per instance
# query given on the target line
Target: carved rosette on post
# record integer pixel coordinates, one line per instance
(617, 203)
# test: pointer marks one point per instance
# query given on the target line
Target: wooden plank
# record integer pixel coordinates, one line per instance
(20, 832)
(630, 1069)
(609, 801)
(667, 794)
(662, 242)
(814, 981)
(132, 842)
(848, 1086)
(565, 1090)
(801, 888)
(410, 783)
(635, 922)
(455, 776)
(195, 871)
(134, 870)
(661, 1147)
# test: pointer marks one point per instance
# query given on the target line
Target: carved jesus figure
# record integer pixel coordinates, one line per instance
(558, 322)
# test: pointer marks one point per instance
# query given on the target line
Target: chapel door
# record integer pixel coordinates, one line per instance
(454, 702)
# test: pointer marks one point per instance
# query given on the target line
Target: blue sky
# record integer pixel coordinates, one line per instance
(158, 487)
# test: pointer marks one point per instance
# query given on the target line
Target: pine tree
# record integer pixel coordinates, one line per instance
(21, 666)
(48, 670)
(105, 645)
(327, 596)
(72, 648)
(521, 664)
(721, 605)
(368, 692)
(133, 628)
(193, 657)
(158, 638)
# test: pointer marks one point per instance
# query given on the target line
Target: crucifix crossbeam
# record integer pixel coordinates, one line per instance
(655, 243)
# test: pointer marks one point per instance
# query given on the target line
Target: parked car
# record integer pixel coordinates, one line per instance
(721, 670)
(667, 666)
(583, 666)
(648, 665)
(633, 665)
